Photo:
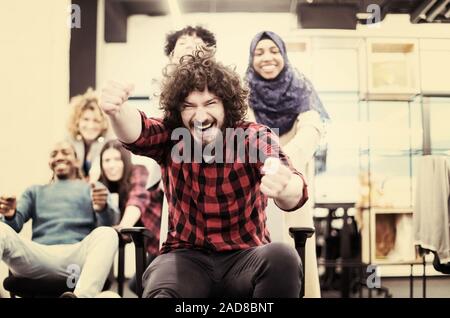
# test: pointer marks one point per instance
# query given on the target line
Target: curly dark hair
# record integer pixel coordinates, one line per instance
(195, 73)
(204, 34)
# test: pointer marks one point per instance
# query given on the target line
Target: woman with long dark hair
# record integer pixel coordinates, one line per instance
(137, 204)
(116, 169)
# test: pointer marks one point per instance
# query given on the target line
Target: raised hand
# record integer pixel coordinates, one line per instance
(114, 95)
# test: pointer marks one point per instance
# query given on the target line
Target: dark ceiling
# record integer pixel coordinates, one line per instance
(317, 14)
(431, 10)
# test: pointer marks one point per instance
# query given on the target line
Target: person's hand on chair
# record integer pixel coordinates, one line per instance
(125, 237)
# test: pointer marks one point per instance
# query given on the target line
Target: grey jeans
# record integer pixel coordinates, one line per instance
(268, 271)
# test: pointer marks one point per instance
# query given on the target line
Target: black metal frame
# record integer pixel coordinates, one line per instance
(139, 236)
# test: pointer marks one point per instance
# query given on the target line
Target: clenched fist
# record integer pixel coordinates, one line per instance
(276, 177)
(114, 95)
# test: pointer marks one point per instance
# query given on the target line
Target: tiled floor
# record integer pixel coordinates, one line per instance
(436, 287)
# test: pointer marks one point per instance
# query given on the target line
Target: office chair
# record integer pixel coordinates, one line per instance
(300, 236)
(54, 287)
(139, 236)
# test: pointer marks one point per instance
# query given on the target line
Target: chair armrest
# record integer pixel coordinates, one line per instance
(301, 234)
(138, 235)
(137, 231)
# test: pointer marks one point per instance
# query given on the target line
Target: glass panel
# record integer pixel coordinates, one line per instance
(390, 180)
(416, 141)
(337, 161)
(395, 136)
(389, 127)
(439, 125)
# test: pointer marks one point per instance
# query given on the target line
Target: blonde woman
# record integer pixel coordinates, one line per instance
(88, 128)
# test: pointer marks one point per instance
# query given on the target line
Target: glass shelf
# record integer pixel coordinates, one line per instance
(371, 152)
(439, 124)
(391, 153)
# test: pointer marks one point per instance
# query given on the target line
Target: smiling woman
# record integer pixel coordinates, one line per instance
(138, 205)
(116, 170)
(267, 60)
(284, 99)
(88, 129)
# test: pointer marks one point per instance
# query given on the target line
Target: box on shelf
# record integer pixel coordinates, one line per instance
(390, 69)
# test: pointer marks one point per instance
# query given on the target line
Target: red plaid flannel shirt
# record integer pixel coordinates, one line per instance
(149, 202)
(212, 206)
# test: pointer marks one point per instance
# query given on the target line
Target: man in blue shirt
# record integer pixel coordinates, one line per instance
(72, 237)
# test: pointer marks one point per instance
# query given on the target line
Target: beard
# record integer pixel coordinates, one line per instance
(62, 176)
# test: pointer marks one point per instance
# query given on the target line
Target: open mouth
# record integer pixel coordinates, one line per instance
(202, 126)
(205, 131)
(268, 68)
(60, 165)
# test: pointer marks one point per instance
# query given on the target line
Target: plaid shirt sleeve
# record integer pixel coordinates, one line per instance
(138, 195)
(268, 145)
(153, 141)
(152, 218)
(149, 203)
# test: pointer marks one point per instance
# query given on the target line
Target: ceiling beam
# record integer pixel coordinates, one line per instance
(438, 9)
(421, 12)
(116, 15)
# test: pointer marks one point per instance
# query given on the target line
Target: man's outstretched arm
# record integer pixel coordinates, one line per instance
(125, 119)
(280, 183)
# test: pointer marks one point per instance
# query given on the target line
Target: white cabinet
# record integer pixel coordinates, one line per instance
(335, 65)
(335, 70)
(435, 66)
(330, 63)
(387, 242)
(299, 54)
(391, 236)
(390, 69)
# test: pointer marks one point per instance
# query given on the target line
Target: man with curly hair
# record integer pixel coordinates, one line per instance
(186, 40)
(217, 243)
(178, 43)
